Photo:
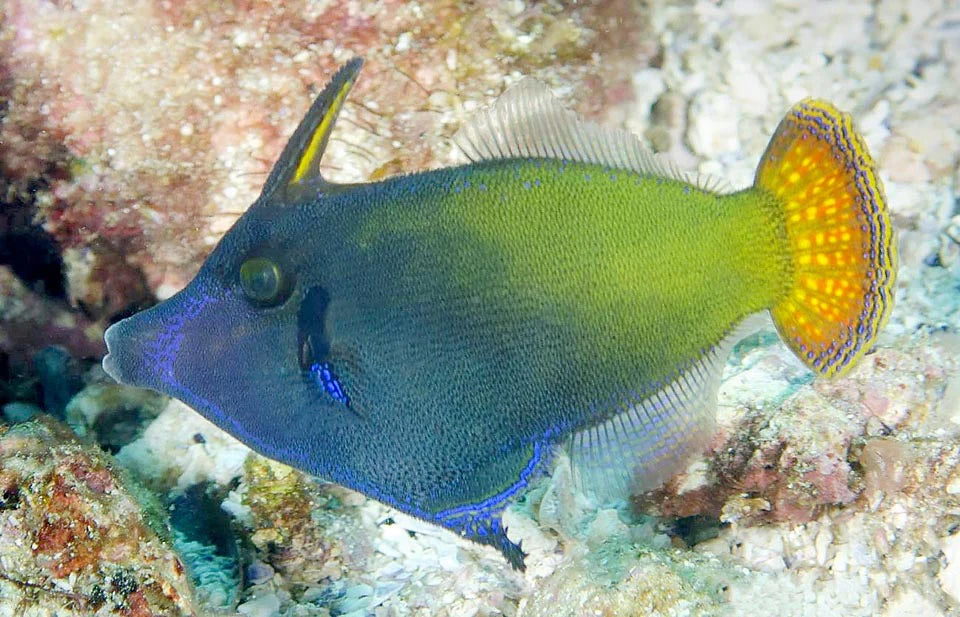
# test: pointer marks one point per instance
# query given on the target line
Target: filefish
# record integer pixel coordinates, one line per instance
(433, 340)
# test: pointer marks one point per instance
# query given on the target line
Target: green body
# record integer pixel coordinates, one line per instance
(641, 273)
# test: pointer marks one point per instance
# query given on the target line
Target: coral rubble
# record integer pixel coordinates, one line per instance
(77, 537)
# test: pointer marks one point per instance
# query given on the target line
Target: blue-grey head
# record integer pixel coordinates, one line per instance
(227, 344)
(244, 342)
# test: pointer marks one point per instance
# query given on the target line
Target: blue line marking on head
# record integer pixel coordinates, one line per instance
(323, 374)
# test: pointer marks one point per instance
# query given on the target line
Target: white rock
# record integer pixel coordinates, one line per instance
(761, 548)
(697, 475)
(949, 576)
(606, 526)
(949, 408)
(525, 531)
(648, 85)
(168, 450)
(824, 545)
(953, 488)
(264, 606)
(403, 42)
(713, 124)
(749, 87)
(912, 604)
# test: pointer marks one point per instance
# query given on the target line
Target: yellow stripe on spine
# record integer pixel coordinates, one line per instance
(312, 153)
(839, 232)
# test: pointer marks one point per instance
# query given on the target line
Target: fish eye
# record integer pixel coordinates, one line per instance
(263, 281)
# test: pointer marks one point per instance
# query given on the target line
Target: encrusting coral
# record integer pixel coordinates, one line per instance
(77, 536)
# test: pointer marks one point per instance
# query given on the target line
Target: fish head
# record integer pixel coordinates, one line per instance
(238, 342)
(244, 342)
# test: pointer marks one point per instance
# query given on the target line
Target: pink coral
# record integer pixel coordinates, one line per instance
(31, 322)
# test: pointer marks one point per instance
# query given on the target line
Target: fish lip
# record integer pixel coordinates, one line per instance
(109, 361)
(110, 367)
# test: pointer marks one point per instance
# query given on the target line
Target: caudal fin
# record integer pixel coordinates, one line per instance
(839, 234)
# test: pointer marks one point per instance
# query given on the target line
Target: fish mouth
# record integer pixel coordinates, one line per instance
(110, 360)
(144, 350)
(128, 360)
(122, 351)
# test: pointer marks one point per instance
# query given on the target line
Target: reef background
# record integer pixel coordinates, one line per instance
(133, 133)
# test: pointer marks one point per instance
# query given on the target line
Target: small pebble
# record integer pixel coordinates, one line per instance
(264, 606)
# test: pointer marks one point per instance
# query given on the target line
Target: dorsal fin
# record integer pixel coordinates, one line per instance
(527, 121)
(296, 175)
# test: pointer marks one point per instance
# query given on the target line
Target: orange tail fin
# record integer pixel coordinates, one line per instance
(839, 232)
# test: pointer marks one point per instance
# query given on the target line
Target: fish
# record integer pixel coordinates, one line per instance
(436, 340)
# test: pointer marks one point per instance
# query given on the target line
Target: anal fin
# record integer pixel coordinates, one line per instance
(653, 437)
